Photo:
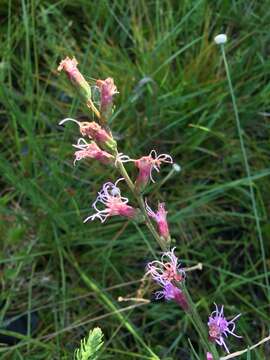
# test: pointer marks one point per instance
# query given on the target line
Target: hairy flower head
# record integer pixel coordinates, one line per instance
(147, 164)
(115, 204)
(220, 327)
(167, 269)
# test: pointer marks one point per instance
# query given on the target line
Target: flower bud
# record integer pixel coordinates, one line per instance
(107, 89)
(160, 218)
(70, 68)
(94, 131)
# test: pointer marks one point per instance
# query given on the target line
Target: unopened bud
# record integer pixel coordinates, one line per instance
(70, 68)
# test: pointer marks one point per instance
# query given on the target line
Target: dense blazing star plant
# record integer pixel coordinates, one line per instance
(97, 143)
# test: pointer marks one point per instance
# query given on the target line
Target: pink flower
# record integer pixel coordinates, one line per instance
(94, 131)
(171, 292)
(209, 356)
(70, 68)
(167, 269)
(161, 219)
(107, 90)
(167, 273)
(91, 151)
(115, 204)
(220, 327)
(147, 164)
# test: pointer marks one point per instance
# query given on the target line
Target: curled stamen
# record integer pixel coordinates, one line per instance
(69, 119)
(120, 157)
(81, 144)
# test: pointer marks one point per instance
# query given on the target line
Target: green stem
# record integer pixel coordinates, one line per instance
(247, 168)
(199, 326)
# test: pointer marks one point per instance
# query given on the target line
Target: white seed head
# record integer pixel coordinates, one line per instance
(176, 167)
(220, 39)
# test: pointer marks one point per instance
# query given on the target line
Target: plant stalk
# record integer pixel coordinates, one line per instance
(193, 314)
(247, 168)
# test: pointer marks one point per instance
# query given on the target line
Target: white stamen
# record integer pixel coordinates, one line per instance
(122, 158)
(81, 144)
(115, 191)
(165, 158)
(150, 212)
(69, 119)
(121, 179)
(153, 154)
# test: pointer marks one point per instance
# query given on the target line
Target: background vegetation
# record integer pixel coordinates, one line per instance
(66, 276)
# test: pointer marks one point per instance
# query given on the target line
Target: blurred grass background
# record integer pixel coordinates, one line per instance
(174, 98)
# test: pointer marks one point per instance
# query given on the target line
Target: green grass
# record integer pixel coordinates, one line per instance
(174, 97)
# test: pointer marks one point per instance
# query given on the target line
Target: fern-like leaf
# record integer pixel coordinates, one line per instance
(90, 346)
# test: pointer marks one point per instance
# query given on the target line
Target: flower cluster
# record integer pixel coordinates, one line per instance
(167, 272)
(103, 148)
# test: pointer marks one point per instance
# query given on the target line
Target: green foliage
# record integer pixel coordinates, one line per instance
(90, 346)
